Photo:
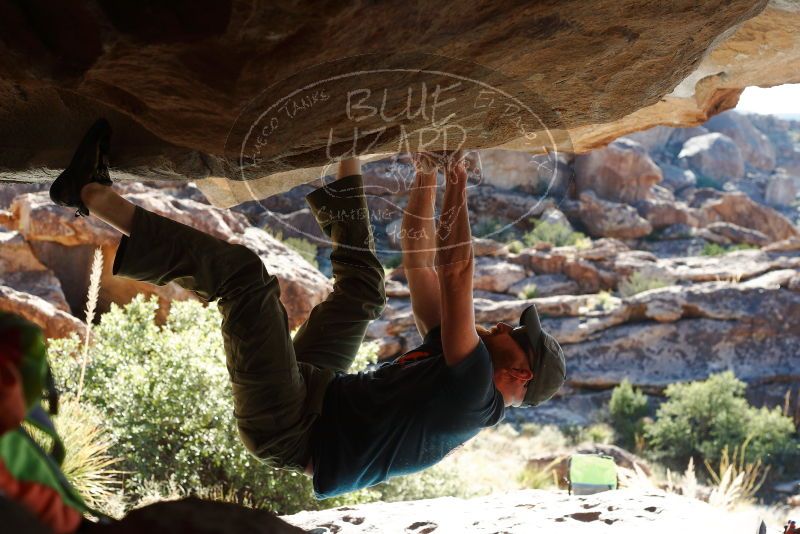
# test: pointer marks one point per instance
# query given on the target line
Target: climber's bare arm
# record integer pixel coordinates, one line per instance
(454, 265)
(418, 242)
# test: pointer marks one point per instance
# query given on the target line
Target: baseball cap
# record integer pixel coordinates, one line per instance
(545, 356)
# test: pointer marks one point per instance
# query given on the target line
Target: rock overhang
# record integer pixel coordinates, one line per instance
(177, 85)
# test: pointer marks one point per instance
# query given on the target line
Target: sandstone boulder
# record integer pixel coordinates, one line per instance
(727, 233)
(540, 261)
(524, 511)
(509, 206)
(620, 172)
(781, 190)
(755, 147)
(496, 275)
(679, 136)
(676, 178)
(546, 285)
(663, 213)
(38, 219)
(124, 70)
(21, 269)
(654, 139)
(714, 156)
(707, 328)
(589, 277)
(64, 243)
(611, 219)
(506, 169)
(488, 247)
(53, 321)
(196, 515)
(738, 209)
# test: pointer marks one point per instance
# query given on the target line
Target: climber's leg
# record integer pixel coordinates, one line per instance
(335, 329)
(268, 390)
(105, 204)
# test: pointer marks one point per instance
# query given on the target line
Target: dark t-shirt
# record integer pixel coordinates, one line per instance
(401, 417)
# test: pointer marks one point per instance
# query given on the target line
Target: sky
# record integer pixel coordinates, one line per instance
(779, 100)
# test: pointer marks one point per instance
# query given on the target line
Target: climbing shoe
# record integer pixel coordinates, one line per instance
(89, 164)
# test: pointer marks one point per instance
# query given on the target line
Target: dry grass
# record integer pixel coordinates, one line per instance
(736, 479)
(91, 306)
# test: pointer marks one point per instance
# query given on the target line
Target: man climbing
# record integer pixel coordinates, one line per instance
(294, 403)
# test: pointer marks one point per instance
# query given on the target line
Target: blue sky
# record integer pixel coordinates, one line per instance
(778, 100)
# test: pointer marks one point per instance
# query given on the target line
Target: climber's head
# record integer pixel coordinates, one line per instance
(528, 363)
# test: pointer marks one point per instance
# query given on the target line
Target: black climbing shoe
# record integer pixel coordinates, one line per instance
(89, 164)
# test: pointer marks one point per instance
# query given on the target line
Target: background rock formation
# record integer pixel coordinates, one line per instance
(174, 79)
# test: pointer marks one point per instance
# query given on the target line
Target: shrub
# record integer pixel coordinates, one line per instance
(702, 419)
(640, 281)
(556, 234)
(367, 355)
(528, 292)
(164, 392)
(533, 477)
(516, 246)
(626, 408)
(494, 228)
(713, 249)
(393, 261)
(599, 433)
(89, 465)
(606, 301)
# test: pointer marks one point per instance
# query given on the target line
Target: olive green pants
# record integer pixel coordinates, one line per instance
(278, 383)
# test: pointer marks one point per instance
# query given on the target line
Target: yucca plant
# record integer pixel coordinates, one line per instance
(88, 465)
(736, 479)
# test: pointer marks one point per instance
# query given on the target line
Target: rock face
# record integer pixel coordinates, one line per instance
(52, 249)
(738, 209)
(611, 219)
(780, 191)
(196, 515)
(173, 91)
(53, 321)
(756, 149)
(714, 156)
(620, 172)
(525, 511)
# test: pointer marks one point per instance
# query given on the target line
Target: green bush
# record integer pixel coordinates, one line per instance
(393, 261)
(165, 395)
(528, 292)
(626, 408)
(640, 281)
(556, 234)
(699, 419)
(494, 228)
(713, 249)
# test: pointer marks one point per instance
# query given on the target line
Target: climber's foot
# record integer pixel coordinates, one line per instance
(89, 165)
